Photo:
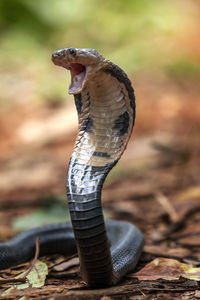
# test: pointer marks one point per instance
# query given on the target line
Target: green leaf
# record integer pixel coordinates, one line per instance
(48, 215)
(35, 278)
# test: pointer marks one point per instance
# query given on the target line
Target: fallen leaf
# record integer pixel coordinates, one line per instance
(35, 278)
(164, 250)
(168, 269)
(63, 266)
(38, 274)
(190, 240)
(53, 214)
(189, 234)
(197, 294)
(192, 192)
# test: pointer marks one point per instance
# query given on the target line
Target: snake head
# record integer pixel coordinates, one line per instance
(83, 64)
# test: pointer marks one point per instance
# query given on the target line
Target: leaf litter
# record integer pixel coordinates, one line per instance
(161, 198)
(168, 269)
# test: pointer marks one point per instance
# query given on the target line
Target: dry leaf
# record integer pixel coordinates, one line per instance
(192, 192)
(168, 269)
(35, 278)
(63, 266)
(163, 250)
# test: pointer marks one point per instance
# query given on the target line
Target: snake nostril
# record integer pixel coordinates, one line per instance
(54, 55)
(58, 54)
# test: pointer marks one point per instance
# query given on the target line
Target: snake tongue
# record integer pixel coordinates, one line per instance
(78, 77)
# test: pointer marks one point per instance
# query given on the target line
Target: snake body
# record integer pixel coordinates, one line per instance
(105, 103)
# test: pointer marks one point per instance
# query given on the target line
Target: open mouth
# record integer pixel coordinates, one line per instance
(78, 75)
(78, 78)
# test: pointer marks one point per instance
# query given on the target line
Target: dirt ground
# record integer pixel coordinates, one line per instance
(155, 186)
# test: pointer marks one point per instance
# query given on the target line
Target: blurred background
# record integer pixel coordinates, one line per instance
(157, 44)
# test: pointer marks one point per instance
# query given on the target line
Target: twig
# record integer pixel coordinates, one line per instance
(63, 261)
(8, 280)
(166, 204)
(23, 279)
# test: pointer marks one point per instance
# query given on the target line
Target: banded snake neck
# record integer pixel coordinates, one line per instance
(105, 103)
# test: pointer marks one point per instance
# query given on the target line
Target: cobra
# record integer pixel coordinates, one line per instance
(105, 103)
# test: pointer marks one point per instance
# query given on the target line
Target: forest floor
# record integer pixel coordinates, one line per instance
(155, 186)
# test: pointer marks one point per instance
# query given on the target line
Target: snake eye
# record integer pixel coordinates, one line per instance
(72, 51)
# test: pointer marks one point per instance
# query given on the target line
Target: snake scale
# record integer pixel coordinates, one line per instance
(105, 103)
